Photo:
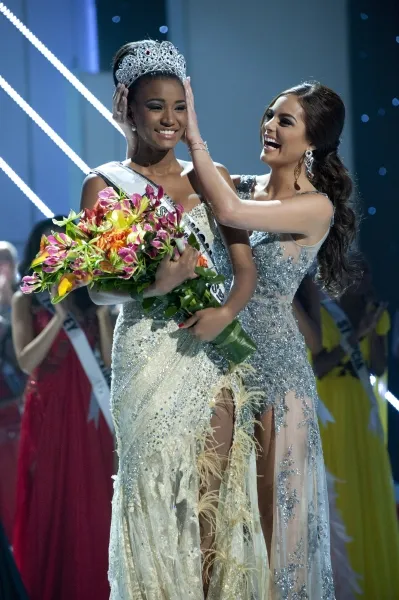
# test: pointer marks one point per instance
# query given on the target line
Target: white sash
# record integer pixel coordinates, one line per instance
(129, 181)
(356, 358)
(90, 365)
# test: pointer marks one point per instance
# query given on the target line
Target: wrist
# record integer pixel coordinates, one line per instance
(228, 314)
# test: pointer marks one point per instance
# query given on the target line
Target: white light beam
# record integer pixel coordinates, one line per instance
(25, 189)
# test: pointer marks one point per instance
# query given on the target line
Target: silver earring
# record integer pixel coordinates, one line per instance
(134, 128)
(309, 164)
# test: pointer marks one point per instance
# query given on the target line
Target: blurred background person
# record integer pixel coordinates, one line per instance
(12, 382)
(348, 337)
(65, 466)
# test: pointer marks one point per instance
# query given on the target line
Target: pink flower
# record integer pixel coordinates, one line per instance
(149, 191)
(30, 283)
(162, 234)
(157, 244)
(108, 194)
(128, 255)
(160, 193)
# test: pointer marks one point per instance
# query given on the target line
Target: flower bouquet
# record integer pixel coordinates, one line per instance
(118, 245)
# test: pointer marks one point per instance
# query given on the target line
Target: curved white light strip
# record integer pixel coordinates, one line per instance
(78, 85)
(44, 126)
(25, 189)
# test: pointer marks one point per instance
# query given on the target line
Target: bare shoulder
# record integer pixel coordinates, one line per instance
(320, 204)
(92, 184)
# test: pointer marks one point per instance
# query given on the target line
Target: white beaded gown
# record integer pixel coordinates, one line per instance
(300, 555)
(164, 387)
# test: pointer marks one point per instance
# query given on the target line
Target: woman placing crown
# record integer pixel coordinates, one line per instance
(185, 518)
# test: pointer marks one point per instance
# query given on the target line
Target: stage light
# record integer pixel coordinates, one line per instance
(82, 89)
(163, 29)
(25, 189)
(364, 16)
(388, 395)
(116, 19)
(372, 210)
(395, 102)
(365, 118)
(381, 112)
(44, 126)
(382, 171)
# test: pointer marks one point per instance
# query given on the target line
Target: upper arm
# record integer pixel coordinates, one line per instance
(308, 215)
(91, 186)
(22, 325)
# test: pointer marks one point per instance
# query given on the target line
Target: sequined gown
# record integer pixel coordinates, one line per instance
(164, 388)
(300, 555)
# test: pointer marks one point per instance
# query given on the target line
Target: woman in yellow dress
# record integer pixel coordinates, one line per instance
(354, 447)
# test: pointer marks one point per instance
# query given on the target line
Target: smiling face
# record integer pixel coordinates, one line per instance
(158, 111)
(284, 132)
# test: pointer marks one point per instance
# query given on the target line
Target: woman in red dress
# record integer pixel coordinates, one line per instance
(64, 486)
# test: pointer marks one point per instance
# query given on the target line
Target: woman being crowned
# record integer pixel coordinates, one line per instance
(185, 521)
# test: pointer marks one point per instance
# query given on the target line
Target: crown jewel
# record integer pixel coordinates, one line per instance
(151, 57)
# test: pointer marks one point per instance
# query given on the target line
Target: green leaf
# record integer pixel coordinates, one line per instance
(148, 303)
(193, 242)
(171, 311)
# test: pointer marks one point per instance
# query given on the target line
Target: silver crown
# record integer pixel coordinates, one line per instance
(151, 57)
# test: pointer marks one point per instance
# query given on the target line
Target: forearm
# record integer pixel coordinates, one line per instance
(106, 336)
(110, 298)
(242, 291)
(222, 198)
(36, 351)
(378, 354)
(325, 361)
(309, 329)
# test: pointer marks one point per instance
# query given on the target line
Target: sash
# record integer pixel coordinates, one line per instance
(93, 367)
(131, 182)
(356, 358)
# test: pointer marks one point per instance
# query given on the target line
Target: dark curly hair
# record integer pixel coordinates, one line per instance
(129, 49)
(324, 116)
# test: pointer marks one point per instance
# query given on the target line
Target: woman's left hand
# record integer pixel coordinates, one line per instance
(192, 129)
(206, 324)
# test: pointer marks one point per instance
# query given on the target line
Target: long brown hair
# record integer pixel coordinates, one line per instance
(324, 121)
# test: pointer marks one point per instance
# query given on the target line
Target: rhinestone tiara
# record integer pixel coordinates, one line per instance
(151, 57)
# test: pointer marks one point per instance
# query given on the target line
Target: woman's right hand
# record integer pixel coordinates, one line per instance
(171, 272)
(120, 116)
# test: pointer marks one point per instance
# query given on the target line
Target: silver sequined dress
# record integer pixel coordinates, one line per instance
(300, 555)
(164, 387)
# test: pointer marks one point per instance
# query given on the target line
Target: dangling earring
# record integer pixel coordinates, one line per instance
(309, 164)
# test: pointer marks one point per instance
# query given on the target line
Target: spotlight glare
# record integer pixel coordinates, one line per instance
(372, 210)
(395, 102)
(365, 118)
(388, 395)
(116, 19)
(163, 29)
(78, 85)
(382, 171)
(364, 16)
(25, 189)
(44, 126)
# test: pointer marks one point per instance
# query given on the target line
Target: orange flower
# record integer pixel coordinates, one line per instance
(202, 261)
(113, 240)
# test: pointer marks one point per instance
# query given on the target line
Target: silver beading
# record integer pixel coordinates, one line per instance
(309, 159)
(151, 56)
